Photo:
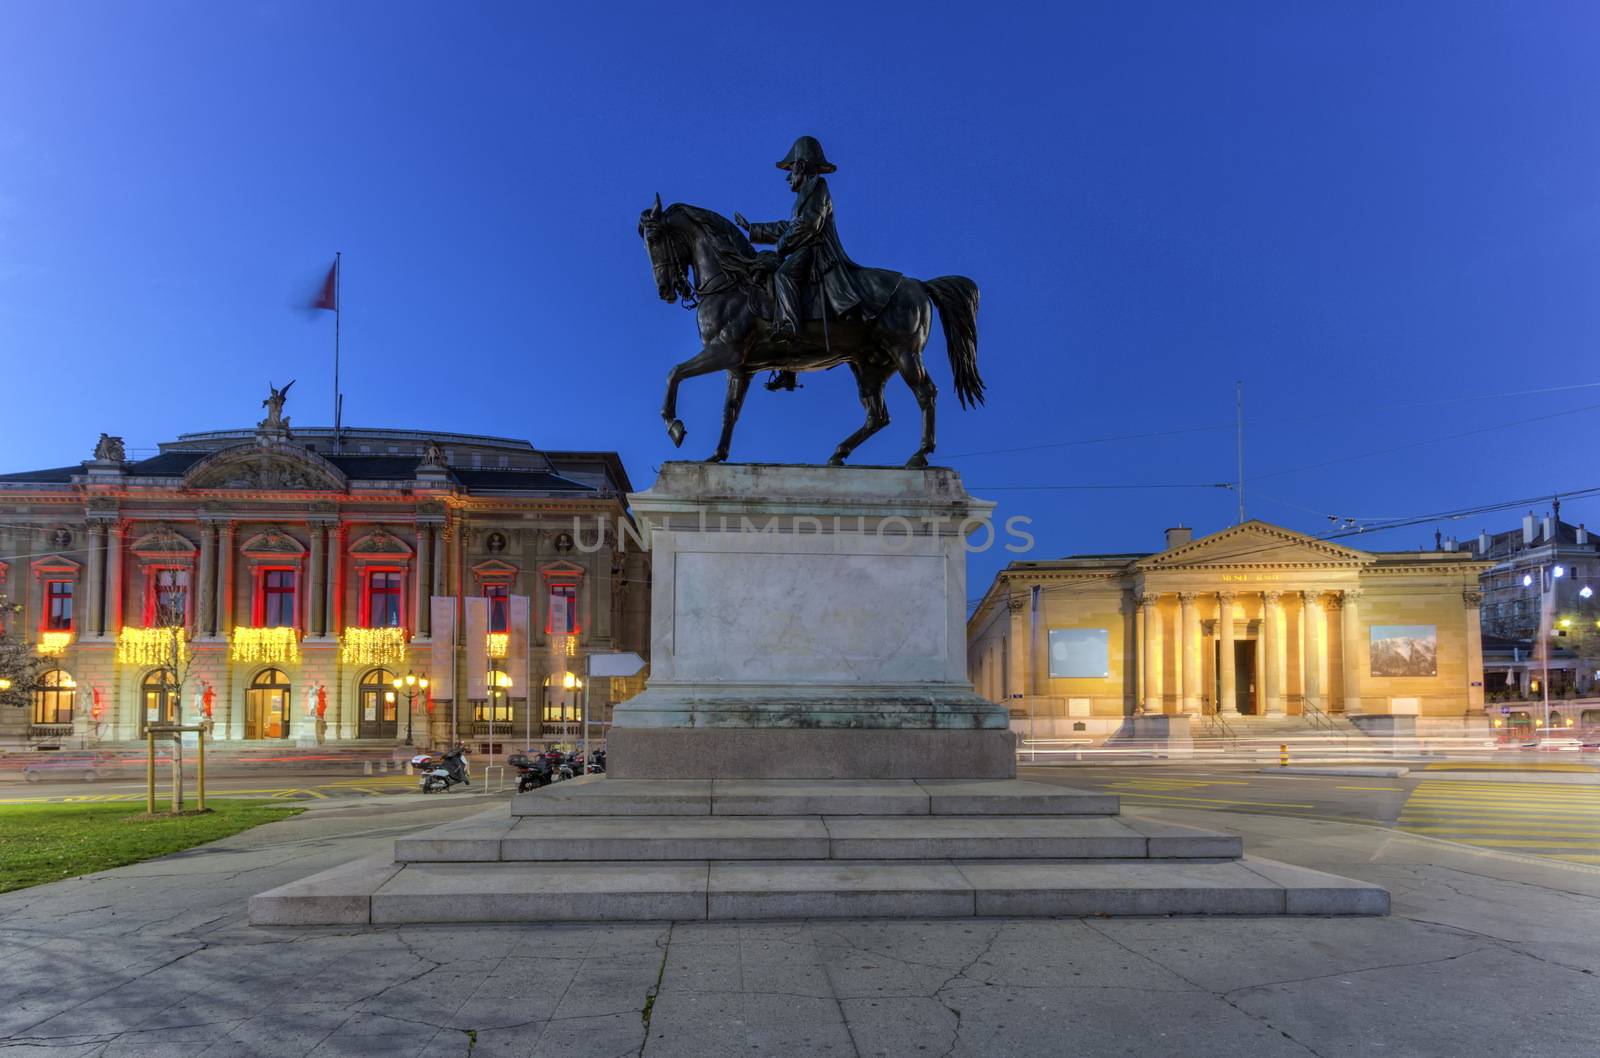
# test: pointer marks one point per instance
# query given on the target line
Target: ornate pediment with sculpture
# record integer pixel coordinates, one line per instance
(268, 467)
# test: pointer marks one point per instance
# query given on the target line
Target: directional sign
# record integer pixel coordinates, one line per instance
(621, 663)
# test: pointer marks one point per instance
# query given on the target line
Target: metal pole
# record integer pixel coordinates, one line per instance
(150, 770)
(586, 680)
(338, 308)
(1238, 411)
(1544, 637)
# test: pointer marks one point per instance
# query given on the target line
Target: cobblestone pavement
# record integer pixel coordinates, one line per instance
(1486, 953)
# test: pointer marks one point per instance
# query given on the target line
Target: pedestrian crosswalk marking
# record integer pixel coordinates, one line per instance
(1556, 821)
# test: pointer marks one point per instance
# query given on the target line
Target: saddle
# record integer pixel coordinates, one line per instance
(754, 275)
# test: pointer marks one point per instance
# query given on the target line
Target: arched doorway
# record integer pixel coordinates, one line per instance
(160, 699)
(267, 704)
(380, 708)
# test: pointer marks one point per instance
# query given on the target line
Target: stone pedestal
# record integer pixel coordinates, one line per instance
(809, 622)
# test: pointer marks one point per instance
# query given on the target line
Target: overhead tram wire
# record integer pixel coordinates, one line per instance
(1268, 420)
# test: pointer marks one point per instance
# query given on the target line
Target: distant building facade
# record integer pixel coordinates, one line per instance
(1253, 620)
(1522, 569)
(306, 573)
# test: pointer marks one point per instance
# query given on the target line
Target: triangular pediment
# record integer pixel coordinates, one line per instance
(1256, 545)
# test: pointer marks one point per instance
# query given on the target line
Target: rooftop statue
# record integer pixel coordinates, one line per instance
(274, 405)
(804, 306)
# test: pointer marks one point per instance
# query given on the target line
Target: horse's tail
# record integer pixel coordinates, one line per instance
(956, 298)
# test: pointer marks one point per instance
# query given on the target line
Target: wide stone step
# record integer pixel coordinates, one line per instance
(624, 838)
(379, 892)
(603, 796)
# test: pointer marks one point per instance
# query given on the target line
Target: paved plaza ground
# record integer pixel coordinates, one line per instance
(1486, 953)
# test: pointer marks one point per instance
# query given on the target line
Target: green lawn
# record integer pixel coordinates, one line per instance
(46, 843)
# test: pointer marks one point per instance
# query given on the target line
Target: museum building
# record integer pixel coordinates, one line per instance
(1255, 620)
(282, 582)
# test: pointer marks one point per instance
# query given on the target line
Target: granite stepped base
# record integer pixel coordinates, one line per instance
(617, 849)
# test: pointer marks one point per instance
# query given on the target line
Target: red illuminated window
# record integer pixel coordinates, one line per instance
(166, 601)
(499, 596)
(563, 598)
(58, 606)
(277, 598)
(383, 599)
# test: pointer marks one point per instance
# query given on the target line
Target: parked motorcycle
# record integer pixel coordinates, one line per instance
(597, 762)
(532, 772)
(443, 772)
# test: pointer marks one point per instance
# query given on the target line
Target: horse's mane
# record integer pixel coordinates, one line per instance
(719, 226)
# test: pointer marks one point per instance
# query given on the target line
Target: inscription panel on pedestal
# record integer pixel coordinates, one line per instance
(812, 618)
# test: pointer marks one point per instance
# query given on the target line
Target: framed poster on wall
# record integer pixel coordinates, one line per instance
(1080, 652)
(1405, 650)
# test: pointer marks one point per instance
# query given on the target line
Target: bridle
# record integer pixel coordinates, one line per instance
(689, 293)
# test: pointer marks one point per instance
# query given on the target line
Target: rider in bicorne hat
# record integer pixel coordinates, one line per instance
(807, 242)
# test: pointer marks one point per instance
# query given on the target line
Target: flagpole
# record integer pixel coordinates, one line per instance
(338, 307)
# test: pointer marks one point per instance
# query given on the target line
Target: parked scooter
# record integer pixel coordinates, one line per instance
(532, 772)
(443, 772)
(597, 762)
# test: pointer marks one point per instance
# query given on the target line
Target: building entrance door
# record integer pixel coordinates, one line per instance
(380, 707)
(266, 706)
(1244, 675)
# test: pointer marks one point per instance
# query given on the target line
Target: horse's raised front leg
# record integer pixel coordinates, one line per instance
(869, 384)
(711, 358)
(738, 386)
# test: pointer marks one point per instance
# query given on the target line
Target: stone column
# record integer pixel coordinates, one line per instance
(95, 625)
(1228, 691)
(205, 591)
(424, 587)
(1311, 649)
(1189, 629)
(1355, 651)
(1472, 600)
(317, 594)
(1148, 603)
(1272, 635)
(333, 618)
(441, 562)
(225, 583)
(1135, 670)
(115, 538)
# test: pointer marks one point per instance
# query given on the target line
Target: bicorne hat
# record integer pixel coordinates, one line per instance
(807, 149)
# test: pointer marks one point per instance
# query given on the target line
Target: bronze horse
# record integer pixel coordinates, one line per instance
(702, 259)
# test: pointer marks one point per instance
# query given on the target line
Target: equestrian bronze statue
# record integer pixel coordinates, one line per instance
(805, 306)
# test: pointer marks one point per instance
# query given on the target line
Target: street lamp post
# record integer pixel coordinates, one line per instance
(1557, 571)
(411, 685)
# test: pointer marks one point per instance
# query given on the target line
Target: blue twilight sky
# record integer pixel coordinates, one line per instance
(1367, 212)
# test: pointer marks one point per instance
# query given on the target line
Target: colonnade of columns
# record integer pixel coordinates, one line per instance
(1188, 643)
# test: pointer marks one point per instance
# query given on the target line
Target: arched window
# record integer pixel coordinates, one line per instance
(267, 705)
(52, 697)
(160, 698)
(380, 707)
(562, 697)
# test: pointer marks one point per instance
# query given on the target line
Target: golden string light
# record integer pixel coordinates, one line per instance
(54, 644)
(498, 644)
(276, 646)
(152, 646)
(373, 646)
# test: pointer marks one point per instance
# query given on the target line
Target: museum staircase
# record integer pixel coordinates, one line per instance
(599, 848)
